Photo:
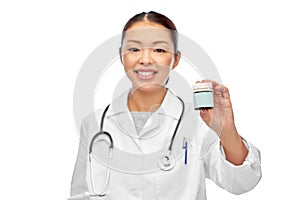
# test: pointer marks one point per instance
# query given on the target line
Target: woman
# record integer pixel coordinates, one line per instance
(142, 121)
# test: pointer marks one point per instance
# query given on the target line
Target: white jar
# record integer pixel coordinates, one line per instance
(203, 95)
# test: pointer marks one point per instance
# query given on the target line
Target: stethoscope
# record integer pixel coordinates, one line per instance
(165, 163)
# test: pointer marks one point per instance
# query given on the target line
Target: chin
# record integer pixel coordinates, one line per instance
(149, 87)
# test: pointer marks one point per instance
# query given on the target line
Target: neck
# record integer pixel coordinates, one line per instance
(146, 101)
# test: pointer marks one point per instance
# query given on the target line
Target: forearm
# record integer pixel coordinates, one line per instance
(234, 147)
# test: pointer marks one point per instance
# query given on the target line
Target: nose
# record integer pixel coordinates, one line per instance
(146, 57)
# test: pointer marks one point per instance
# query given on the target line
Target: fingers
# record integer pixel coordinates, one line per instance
(226, 93)
(221, 91)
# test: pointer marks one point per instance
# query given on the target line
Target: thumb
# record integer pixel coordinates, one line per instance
(204, 113)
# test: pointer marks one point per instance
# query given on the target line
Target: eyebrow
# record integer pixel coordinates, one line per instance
(135, 41)
(156, 42)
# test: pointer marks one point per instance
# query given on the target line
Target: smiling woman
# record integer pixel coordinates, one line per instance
(146, 128)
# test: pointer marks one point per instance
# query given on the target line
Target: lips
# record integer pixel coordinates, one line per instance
(145, 74)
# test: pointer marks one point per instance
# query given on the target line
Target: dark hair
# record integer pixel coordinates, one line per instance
(155, 18)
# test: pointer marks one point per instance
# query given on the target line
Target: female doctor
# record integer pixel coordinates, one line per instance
(155, 146)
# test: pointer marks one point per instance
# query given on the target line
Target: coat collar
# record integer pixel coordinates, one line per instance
(171, 107)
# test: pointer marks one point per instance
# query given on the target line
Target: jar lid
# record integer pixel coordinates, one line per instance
(204, 86)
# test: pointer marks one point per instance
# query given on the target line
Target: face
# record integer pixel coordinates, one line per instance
(147, 54)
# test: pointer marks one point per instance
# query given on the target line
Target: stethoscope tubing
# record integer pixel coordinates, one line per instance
(163, 166)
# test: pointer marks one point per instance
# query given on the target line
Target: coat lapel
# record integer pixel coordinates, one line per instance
(120, 111)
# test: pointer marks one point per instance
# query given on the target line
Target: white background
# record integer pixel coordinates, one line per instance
(254, 44)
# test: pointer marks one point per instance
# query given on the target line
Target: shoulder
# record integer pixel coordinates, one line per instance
(91, 123)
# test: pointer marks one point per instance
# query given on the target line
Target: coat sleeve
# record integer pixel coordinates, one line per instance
(235, 179)
(80, 184)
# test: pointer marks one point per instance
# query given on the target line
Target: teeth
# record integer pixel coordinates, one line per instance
(143, 73)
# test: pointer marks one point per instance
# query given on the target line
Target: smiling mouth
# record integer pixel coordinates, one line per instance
(145, 74)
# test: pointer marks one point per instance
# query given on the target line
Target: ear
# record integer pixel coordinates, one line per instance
(177, 59)
(120, 54)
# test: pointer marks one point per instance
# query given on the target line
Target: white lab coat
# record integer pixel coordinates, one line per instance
(135, 173)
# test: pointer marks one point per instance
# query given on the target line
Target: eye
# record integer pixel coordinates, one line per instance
(159, 50)
(133, 49)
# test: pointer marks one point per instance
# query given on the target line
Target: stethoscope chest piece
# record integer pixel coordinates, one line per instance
(166, 162)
